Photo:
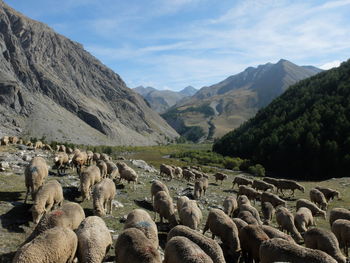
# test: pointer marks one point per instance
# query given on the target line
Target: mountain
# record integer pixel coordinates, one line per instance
(51, 87)
(161, 100)
(304, 133)
(217, 109)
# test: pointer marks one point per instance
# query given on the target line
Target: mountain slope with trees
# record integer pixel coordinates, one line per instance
(304, 133)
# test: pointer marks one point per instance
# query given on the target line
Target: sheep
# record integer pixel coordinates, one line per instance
(141, 220)
(13, 139)
(104, 157)
(61, 148)
(200, 187)
(90, 155)
(103, 168)
(230, 205)
(243, 200)
(240, 180)
(249, 192)
(284, 184)
(5, 140)
(303, 219)
(61, 161)
(88, 178)
(247, 217)
(222, 225)
(96, 157)
(190, 214)
(318, 198)
(103, 194)
(35, 174)
(270, 180)
(48, 195)
(251, 237)
(263, 186)
(209, 246)
(47, 147)
(329, 193)
(220, 177)
(285, 220)
(79, 159)
(279, 250)
(163, 205)
(252, 210)
(180, 249)
(188, 175)
(94, 240)
(275, 233)
(313, 208)
(38, 145)
(68, 215)
(338, 213)
(341, 229)
(318, 238)
(267, 210)
(132, 246)
(158, 186)
(112, 169)
(167, 170)
(273, 199)
(69, 150)
(55, 245)
(127, 173)
(180, 201)
(239, 222)
(178, 172)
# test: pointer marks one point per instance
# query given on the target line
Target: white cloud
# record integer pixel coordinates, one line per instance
(332, 64)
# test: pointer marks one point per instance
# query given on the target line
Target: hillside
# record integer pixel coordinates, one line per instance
(236, 99)
(162, 100)
(50, 86)
(304, 133)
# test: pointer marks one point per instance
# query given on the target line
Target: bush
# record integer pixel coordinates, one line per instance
(257, 170)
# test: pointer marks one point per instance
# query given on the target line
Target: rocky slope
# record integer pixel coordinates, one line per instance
(50, 86)
(162, 100)
(219, 108)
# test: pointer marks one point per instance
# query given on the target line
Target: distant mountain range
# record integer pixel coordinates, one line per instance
(215, 110)
(51, 87)
(161, 100)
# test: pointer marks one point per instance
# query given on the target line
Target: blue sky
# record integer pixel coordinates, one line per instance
(170, 44)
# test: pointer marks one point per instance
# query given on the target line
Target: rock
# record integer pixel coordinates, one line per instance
(143, 165)
(123, 219)
(27, 158)
(117, 204)
(4, 165)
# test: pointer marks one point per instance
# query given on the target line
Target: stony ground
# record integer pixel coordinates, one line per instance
(15, 218)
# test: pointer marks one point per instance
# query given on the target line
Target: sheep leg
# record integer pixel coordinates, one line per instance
(27, 193)
(49, 207)
(212, 236)
(206, 227)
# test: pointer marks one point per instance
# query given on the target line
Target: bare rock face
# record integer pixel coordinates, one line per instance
(50, 86)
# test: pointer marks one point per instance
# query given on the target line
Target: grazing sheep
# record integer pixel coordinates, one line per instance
(263, 186)
(180, 249)
(141, 220)
(180, 201)
(127, 173)
(5, 140)
(243, 200)
(69, 215)
(329, 193)
(103, 168)
(200, 187)
(47, 147)
(270, 180)
(303, 219)
(267, 210)
(220, 177)
(239, 222)
(209, 246)
(318, 198)
(62, 148)
(190, 214)
(69, 150)
(252, 210)
(279, 250)
(35, 174)
(79, 159)
(132, 246)
(112, 169)
(341, 229)
(178, 172)
(96, 157)
(88, 178)
(163, 205)
(221, 225)
(313, 208)
(240, 180)
(275, 200)
(284, 184)
(249, 192)
(103, 195)
(38, 145)
(90, 155)
(48, 195)
(94, 240)
(318, 238)
(158, 186)
(275, 233)
(61, 162)
(247, 217)
(285, 220)
(167, 170)
(188, 175)
(251, 237)
(230, 205)
(13, 139)
(104, 157)
(55, 245)
(338, 213)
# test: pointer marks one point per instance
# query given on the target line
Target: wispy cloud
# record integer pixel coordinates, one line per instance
(332, 64)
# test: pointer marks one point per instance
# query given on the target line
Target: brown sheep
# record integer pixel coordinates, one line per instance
(220, 177)
(338, 213)
(313, 208)
(163, 205)
(188, 175)
(89, 158)
(5, 140)
(79, 160)
(263, 186)
(35, 174)
(284, 184)
(329, 193)
(88, 178)
(230, 205)
(190, 214)
(273, 199)
(285, 220)
(303, 219)
(112, 169)
(341, 229)
(200, 187)
(103, 194)
(61, 161)
(167, 170)
(249, 192)
(275, 233)
(156, 187)
(240, 180)
(267, 210)
(127, 173)
(103, 168)
(318, 198)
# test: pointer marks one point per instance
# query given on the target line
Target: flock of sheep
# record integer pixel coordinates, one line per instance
(64, 234)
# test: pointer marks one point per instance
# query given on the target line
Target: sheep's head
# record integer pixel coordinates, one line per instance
(98, 211)
(301, 188)
(324, 206)
(37, 213)
(321, 213)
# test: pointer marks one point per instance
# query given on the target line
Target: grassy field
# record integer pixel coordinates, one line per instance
(16, 222)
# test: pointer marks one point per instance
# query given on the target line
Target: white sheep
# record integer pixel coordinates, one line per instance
(88, 178)
(156, 187)
(190, 214)
(163, 205)
(61, 161)
(180, 201)
(127, 173)
(35, 174)
(103, 168)
(303, 219)
(94, 240)
(313, 208)
(200, 187)
(103, 195)
(167, 170)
